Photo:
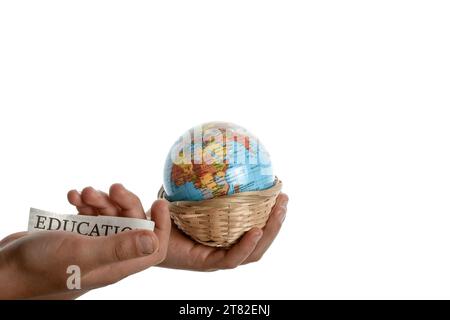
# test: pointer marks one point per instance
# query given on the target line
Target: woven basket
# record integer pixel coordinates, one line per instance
(220, 222)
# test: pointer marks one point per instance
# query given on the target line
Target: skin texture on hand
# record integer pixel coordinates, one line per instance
(34, 265)
(183, 252)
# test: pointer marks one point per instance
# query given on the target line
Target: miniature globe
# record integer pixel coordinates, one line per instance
(216, 159)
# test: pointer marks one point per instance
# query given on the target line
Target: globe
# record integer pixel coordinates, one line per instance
(216, 159)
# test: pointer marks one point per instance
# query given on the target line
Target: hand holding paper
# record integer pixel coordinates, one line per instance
(34, 265)
(183, 252)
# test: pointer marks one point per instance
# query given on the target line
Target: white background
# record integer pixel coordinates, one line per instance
(351, 98)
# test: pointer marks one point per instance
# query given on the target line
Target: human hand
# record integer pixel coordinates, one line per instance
(185, 253)
(34, 265)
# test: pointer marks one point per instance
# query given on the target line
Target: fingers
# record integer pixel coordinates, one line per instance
(253, 244)
(134, 251)
(222, 259)
(160, 214)
(99, 201)
(75, 199)
(7, 240)
(271, 229)
(100, 251)
(240, 251)
(135, 243)
(129, 203)
(120, 202)
(108, 259)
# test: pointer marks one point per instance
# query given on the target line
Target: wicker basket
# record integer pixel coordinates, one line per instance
(221, 221)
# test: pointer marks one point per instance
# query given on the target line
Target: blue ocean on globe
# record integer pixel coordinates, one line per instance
(225, 160)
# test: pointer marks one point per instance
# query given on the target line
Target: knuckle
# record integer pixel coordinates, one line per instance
(121, 250)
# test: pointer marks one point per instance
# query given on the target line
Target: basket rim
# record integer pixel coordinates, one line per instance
(276, 188)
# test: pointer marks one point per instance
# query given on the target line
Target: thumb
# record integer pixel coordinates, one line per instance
(120, 247)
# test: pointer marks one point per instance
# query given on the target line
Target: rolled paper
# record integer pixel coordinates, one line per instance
(41, 220)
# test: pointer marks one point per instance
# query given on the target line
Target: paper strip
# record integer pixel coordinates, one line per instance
(41, 220)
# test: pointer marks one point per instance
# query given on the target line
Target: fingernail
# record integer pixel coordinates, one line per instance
(146, 244)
